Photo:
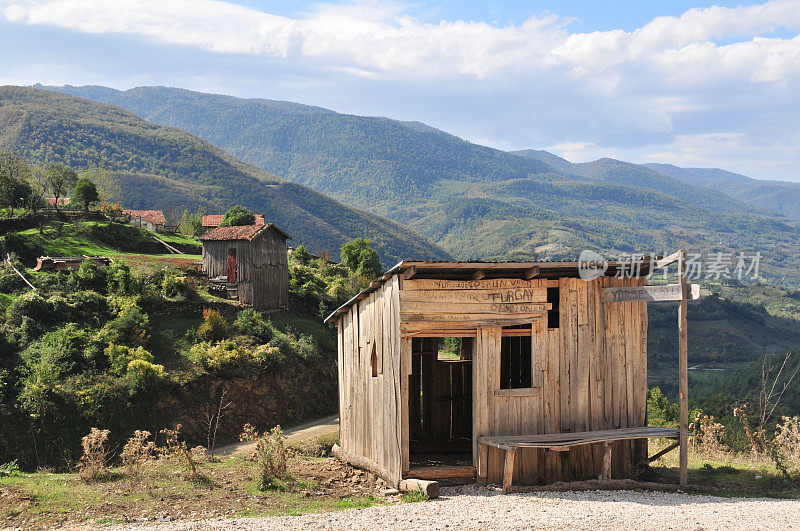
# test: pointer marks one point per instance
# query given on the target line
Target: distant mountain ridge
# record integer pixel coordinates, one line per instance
(474, 201)
(163, 167)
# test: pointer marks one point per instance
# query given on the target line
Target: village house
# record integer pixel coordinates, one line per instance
(549, 382)
(250, 262)
(148, 219)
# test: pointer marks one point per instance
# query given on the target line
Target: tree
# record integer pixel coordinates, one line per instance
(360, 257)
(85, 193)
(238, 215)
(108, 186)
(60, 178)
(191, 224)
(14, 177)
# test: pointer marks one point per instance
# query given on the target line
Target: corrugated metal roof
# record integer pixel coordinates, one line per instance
(466, 271)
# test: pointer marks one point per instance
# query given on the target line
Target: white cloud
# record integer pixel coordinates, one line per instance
(674, 83)
(382, 38)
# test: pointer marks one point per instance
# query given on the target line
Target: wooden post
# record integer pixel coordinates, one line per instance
(508, 470)
(605, 473)
(683, 373)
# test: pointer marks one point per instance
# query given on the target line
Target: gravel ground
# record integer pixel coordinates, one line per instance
(473, 507)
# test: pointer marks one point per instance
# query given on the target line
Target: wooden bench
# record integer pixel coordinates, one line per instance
(562, 442)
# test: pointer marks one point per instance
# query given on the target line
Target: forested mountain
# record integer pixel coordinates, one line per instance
(780, 197)
(163, 167)
(474, 201)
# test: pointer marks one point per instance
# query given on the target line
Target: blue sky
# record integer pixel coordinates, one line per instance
(689, 83)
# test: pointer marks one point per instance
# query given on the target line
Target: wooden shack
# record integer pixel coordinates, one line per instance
(250, 262)
(549, 382)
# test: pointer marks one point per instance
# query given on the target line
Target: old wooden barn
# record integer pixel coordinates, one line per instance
(250, 262)
(545, 381)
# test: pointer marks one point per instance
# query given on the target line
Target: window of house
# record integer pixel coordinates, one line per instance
(515, 363)
(553, 298)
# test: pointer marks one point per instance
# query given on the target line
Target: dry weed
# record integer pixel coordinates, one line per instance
(92, 465)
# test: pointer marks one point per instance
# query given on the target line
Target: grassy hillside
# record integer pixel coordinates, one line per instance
(163, 167)
(474, 201)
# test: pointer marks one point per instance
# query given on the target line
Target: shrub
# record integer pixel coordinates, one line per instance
(270, 455)
(269, 356)
(214, 326)
(223, 356)
(787, 437)
(128, 328)
(660, 410)
(307, 348)
(302, 255)
(143, 375)
(119, 356)
(89, 307)
(252, 323)
(707, 434)
(10, 281)
(120, 280)
(90, 276)
(31, 305)
(191, 459)
(283, 344)
(63, 348)
(175, 287)
(137, 452)
(92, 465)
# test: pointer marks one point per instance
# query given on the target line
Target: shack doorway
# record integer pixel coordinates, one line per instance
(440, 403)
(232, 264)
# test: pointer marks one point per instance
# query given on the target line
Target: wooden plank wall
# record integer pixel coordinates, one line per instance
(369, 407)
(262, 270)
(593, 376)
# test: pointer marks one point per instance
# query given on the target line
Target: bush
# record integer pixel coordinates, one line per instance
(660, 410)
(128, 328)
(252, 323)
(302, 255)
(137, 452)
(223, 356)
(143, 375)
(120, 280)
(120, 356)
(90, 276)
(283, 344)
(10, 281)
(307, 348)
(270, 455)
(31, 305)
(214, 326)
(89, 307)
(175, 287)
(92, 465)
(268, 356)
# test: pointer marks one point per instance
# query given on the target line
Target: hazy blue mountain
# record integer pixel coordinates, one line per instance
(781, 197)
(164, 167)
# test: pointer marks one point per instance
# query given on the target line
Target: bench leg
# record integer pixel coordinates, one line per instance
(483, 464)
(605, 472)
(508, 472)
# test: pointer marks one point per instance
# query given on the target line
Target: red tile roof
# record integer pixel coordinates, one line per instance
(242, 232)
(61, 201)
(153, 216)
(213, 220)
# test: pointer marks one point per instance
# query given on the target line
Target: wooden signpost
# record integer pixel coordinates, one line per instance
(681, 292)
(667, 292)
